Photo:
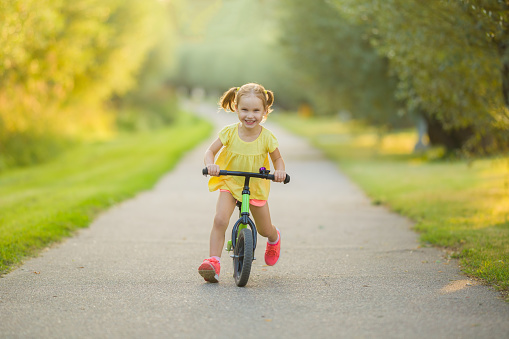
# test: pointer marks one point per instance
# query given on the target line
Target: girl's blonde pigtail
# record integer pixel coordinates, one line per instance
(270, 98)
(227, 101)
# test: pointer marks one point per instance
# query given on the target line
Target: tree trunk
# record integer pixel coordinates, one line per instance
(451, 139)
(502, 50)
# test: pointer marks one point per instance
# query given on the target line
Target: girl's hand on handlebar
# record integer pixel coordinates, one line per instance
(279, 176)
(213, 169)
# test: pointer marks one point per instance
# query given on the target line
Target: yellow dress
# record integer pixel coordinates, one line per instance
(239, 155)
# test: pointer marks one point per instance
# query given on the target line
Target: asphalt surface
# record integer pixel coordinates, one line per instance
(348, 269)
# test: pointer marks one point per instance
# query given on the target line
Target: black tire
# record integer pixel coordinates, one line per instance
(243, 257)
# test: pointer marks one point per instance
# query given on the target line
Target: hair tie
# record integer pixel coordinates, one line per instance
(237, 89)
(265, 91)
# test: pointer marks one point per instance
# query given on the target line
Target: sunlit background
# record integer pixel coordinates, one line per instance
(74, 71)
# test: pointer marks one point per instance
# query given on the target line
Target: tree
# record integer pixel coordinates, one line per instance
(448, 63)
(60, 62)
(338, 68)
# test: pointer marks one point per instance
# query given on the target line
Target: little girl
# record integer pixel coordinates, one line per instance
(245, 147)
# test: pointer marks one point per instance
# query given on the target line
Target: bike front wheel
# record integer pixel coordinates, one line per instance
(243, 257)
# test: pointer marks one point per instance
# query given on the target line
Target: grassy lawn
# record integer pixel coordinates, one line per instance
(43, 204)
(460, 205)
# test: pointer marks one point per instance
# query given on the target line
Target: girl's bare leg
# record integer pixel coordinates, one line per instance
(224, 209)
(263, 223)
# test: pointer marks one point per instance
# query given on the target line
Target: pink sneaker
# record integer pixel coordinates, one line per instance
(272, 252)
(209, 270)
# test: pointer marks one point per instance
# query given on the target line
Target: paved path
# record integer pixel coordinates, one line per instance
(348, 270)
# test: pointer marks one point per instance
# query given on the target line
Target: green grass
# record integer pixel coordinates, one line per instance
(42, 204)
(457, 204)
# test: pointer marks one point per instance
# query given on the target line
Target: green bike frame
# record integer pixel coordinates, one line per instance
(244, 209)
(244, 220)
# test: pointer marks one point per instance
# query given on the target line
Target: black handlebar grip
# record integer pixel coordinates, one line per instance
(287, 179)
(205, 171)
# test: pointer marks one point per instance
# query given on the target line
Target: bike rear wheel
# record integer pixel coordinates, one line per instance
(243, 257)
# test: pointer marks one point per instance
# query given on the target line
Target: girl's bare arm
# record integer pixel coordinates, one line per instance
(210, 155)
(279, 165)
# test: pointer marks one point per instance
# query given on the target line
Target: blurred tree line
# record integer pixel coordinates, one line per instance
(386, 62)
(445, 61)
(336, 65)
(74, 70)
(66, 67)
(226, 43)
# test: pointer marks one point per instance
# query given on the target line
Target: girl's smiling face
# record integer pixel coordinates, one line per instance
(250, 111)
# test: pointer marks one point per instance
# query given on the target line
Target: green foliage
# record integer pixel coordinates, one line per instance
(147, 111)
(337, 67)
(447, 59)
(45, 202)
(455, 204)
(60, 62)
(42, 147)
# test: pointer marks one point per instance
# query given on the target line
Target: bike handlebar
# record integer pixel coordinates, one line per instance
(267, 176)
